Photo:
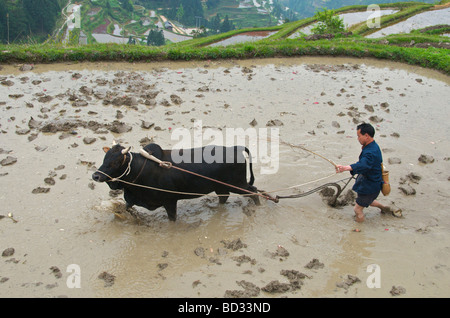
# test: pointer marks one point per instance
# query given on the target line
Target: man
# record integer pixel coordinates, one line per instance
(368, 168)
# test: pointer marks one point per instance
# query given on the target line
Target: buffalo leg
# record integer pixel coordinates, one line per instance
(128, 200)
(223, 196)
(171, 209)
(251, 188)
(254, 197)
(128, 206)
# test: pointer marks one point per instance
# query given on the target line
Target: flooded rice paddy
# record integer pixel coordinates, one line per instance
(56, 222)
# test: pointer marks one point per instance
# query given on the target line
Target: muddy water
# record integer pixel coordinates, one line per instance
(317, 100)
(245, 37)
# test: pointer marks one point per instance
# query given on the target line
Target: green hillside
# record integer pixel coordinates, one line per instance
(427, 47)
(34, 21)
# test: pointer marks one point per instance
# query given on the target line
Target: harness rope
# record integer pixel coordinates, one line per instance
(264, 194)
(310, 151)
(168, 165)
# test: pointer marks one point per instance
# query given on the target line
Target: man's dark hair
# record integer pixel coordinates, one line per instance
(366, 129)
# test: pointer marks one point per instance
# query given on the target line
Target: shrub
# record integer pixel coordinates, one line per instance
(328, 22)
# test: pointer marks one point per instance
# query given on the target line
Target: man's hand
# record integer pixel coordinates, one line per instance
(340, 168)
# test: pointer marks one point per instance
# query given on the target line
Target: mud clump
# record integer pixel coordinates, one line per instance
(250, 290)
(176, 99)
(397, 290)
(45, 99)
(40, 190)
(89, 140)
(8, 161)
(281, 252)
(26, 67)
(329, 196)
(425, 159)
(244, 259)
(234, 245)
(108, 278)
(7, 83)
(331, 68)
(295, 278)
(8, 252)
(56, 271)
(295, 282)
(122, 101)
(407, 182)
(116, 126)
(276, 287)
(162, 266)
(348, 282)
(59, 126)
(411, 177)
(50, 181)
(274, 122)
(200, 252)
(314, 264)
(407, 189)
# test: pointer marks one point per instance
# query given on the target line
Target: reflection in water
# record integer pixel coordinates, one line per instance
(244, 37)
(417, 21)
(350, 19)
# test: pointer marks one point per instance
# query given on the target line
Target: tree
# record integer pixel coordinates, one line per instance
(226, 25)
(156, 38)
(215, 24)
(108, 8)
(192, 9)
(41, 15)
(180, 12)
(328, 22)
(131, 40)
(27, 18)
(201, 32)
(211, 4)
(127, 5)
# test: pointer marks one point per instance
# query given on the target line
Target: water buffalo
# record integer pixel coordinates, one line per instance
(134, 173)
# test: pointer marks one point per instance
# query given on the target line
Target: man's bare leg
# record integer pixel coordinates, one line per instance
(382, 207)
(359, 213)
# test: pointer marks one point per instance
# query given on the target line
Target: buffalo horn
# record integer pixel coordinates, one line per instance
(125, 151)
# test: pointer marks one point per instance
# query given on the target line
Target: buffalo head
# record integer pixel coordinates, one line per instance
(114, 165)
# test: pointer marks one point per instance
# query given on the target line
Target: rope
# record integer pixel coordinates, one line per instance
(305, 149)
(310, 151)
(168, 165)
(125, 173)
(300, 185)
(158, 189)
(335, 184)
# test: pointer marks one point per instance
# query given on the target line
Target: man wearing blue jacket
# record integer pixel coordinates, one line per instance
(369, 181)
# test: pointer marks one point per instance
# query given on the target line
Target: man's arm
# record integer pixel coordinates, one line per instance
(362, 166)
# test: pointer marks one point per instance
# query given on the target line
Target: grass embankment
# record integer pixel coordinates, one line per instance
(434, 58)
